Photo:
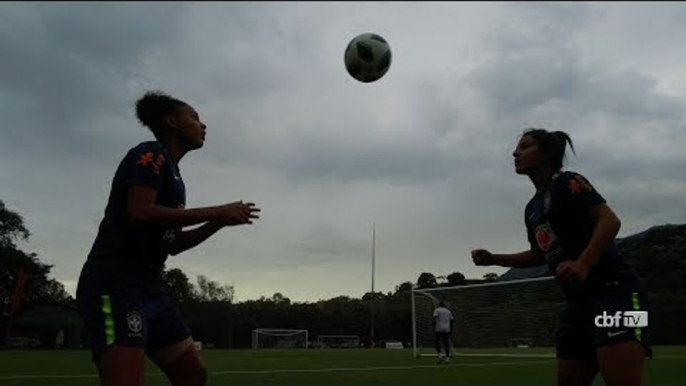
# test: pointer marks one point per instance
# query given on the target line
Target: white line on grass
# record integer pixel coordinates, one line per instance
(293, 370)
(332, 369)
(371, 368)
(505, 355)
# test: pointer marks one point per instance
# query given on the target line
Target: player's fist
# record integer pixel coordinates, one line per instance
(482, 257)
(573, 272)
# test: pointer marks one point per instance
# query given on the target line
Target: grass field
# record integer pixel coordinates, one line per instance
(332, 367)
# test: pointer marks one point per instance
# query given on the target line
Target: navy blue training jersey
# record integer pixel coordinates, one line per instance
(559, 225)
(121, 254)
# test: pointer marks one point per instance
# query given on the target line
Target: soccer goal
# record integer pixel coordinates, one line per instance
(338, 341)
(494, 318)
(279, 338)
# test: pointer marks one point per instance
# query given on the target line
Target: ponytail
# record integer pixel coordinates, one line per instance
(553, 144)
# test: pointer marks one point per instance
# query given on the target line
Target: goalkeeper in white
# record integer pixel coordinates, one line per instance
(443, 326)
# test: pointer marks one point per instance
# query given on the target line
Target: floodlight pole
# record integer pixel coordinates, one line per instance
(371, 300)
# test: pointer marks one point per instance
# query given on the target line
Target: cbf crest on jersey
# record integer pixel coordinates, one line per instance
(545, 237)
(134, 321)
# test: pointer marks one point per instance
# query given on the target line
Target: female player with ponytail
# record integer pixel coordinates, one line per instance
(572, 229)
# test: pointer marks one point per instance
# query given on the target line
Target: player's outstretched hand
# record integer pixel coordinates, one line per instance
(482, 257)
(238, 213)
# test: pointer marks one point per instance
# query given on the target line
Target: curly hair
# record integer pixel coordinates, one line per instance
(153, 107)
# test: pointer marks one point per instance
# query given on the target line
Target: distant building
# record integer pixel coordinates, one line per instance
(40, 326)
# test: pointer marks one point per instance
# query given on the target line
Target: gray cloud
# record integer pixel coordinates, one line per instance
(67, 66)
(425, 153)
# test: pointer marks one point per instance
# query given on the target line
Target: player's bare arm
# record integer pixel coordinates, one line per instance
(191, 238)
(143, 212)
(524, 259)
(606, 227)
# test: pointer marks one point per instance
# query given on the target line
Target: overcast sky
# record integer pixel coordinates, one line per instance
(425, 153)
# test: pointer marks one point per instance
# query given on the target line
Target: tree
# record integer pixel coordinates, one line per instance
(37, 287)
(179, 286)
(489, 277)
(456, 278)
(11, 228)
(426, 280)
(51, 291)
(212, 291)
(368, 296)
(278, 298)
(403, 287)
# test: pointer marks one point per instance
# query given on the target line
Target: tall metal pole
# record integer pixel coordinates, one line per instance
(414, 325)
(371, 301)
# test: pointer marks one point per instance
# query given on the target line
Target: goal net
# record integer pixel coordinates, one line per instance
(338, 341)
(497, 318)
(279, 338)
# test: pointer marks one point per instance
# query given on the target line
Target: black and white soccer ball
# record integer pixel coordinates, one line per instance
(368, 57)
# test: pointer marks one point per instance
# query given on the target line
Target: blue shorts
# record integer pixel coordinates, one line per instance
(131, 317)
(578, 335)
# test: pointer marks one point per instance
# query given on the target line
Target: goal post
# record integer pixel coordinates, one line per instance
(279, 338)
(494, 318)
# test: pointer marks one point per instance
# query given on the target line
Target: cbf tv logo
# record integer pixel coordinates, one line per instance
(622, 319)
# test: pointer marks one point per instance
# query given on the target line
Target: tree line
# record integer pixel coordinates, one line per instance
(209, 307)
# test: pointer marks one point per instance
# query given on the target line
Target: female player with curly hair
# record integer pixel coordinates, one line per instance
(120, 292)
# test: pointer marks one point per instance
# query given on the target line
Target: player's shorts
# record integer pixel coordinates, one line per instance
(130, 317)
(578, 335)
(442, 335)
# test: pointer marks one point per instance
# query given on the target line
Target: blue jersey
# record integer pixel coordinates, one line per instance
(122, 254)
(559, 226)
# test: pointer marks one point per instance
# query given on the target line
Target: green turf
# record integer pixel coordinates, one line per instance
(330, 367)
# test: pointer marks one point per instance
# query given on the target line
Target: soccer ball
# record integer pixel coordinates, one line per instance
(367, 57)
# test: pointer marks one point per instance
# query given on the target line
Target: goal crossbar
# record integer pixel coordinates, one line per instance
(489, 284)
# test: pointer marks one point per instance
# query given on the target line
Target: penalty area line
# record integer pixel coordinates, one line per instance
(375, 368)
(332, 369)
(324, 370)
